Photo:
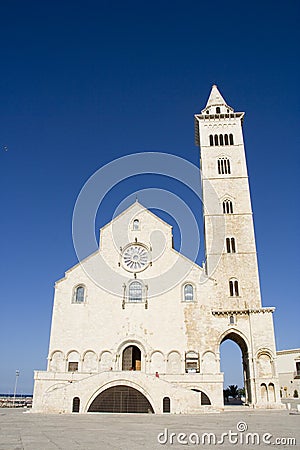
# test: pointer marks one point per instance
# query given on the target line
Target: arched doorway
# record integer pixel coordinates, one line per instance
(121, 399)
(245, 368)
(131, 358)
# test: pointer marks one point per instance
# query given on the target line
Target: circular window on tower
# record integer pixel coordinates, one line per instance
(135, 257)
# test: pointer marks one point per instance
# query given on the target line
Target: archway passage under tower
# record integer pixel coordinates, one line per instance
(235, 337)
(121, 399)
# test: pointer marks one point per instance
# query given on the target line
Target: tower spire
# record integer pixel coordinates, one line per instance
(216, 99)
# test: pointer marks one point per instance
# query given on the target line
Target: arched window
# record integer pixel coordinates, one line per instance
(231, 320)
(227, 166)
(227, 207)
(135, 292)
(223, 166)
(232, 241)
(136, 224)
(234, 288)
(76, 405)
(231, 139)
(230, 245)
(211, 140)
(79, 294)
(218, 110)
(188, 293)
(226, 139)
(166, 405)
(231, 288)
(216, 139)
(221, 139)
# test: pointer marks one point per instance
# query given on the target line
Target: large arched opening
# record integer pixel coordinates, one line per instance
(121, 399)
(235, 364)
(131, 358)
(204, 399)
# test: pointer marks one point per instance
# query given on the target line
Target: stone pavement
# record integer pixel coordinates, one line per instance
(19, 430)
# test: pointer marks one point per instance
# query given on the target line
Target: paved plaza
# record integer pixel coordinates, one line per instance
(28, 431)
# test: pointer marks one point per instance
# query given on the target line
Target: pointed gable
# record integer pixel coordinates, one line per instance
(136, 223)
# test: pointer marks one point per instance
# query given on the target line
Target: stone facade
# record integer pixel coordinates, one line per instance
(137, 327)
(288, 367)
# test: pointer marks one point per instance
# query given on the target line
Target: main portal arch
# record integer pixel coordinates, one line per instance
(121, 399)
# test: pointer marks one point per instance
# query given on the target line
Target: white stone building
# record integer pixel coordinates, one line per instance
(288, 368)
(146, 336)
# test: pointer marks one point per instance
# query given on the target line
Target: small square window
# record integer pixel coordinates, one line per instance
(192, 362)
(73, 367)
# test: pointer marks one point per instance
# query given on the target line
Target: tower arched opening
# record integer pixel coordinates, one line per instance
(235, 364)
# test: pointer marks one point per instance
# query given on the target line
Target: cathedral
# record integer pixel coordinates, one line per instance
(146, 345)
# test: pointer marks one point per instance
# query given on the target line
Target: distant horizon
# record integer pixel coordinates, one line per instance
(17, 395)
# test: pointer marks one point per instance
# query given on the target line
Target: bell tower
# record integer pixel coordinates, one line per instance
(228, 223)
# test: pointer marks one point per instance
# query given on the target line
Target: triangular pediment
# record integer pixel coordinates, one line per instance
(134, 210)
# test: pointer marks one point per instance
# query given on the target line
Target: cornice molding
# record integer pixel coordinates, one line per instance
(242, 312)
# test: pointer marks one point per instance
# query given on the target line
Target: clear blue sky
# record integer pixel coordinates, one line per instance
(85, 82)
